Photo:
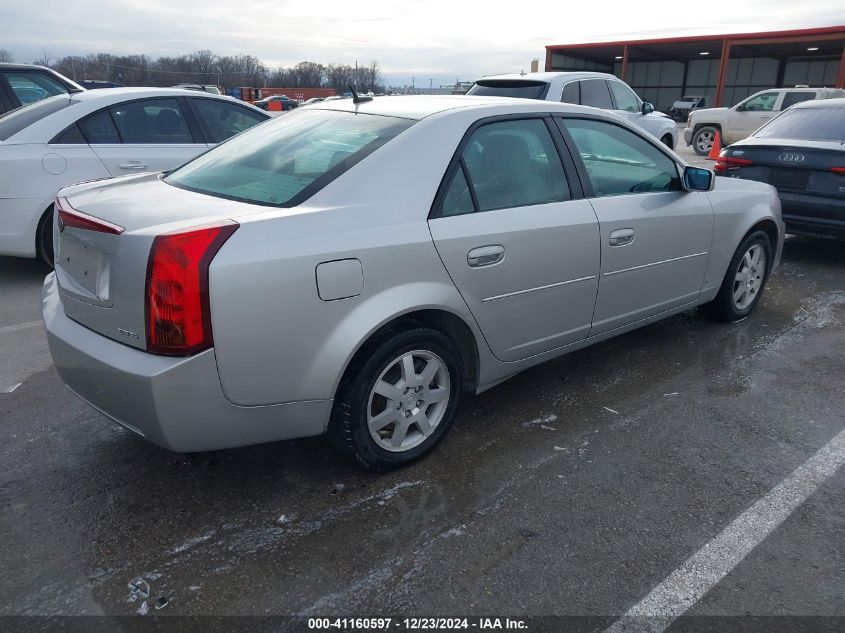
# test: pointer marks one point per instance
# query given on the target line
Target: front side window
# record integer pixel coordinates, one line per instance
(761, 103)
(289, 159)
(510, 164)
(223, 120)
(32, 86)
(595, 93)
(153, 121)
(625, 99)
(620, 162)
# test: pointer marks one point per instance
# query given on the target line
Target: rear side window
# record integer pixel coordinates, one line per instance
(621, 162)
(99, 129)
(572, 92)
(510, 164)
(288, 160)
(223, 120)
(811, 124)
(594, 92)
(17, 120)
(520, 88)
(791, 98)
(458, 199)
(31, 86)
(154, 121)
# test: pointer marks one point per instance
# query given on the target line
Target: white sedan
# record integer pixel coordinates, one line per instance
(100, 134)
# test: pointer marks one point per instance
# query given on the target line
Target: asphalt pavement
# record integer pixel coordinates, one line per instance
(589, 486)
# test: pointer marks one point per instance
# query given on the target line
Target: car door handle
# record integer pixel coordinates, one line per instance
(133, 164)
(486, 255)
(621, 237)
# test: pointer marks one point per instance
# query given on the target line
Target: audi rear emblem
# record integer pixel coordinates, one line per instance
(791, 158)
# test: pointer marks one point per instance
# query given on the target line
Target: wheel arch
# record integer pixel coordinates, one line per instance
(438, 318)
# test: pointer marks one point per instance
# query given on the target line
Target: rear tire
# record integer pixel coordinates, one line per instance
(399, 400)
(744, 280)
(702, 140)
(44, 238)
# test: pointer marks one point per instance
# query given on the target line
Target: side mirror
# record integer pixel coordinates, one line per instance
(698, 179)
(647, 108)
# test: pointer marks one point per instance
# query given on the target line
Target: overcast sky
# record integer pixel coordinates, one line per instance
(425, 39)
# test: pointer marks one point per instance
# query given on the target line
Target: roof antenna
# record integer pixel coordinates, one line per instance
(356, 98)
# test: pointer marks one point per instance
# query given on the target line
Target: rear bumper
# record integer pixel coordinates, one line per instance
(813, 215)
(176, 403)
(18, 223)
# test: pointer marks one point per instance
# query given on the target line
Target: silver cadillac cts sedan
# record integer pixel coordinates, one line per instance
(352, 268)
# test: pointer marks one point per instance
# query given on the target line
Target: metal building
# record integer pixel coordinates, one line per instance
(724, 68)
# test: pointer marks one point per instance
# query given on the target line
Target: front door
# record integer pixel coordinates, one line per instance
(655, 237)
(749, 115)
(519, 243)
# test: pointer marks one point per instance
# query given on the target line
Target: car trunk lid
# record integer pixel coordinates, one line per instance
(103, 235)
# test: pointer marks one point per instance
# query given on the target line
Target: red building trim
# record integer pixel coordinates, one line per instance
(726, 42)
(796, 33)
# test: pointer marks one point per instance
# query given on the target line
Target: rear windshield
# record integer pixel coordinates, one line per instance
(16, 120)
(521, 88)
(287, 160)
(811, 124)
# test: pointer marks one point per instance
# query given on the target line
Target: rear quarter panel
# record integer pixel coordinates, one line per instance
(275, 339)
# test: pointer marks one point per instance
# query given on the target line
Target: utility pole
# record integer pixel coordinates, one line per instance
(430, 82)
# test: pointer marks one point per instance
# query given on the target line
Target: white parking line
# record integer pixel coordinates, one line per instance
(19, 326)
(700, 573)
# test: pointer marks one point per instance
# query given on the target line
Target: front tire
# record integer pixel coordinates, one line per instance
(745, 279)
(702, 140)
(667, 141)
(399, 400)
(44, 238)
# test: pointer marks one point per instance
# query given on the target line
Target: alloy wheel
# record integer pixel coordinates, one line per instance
(749, 277)
(408, 400)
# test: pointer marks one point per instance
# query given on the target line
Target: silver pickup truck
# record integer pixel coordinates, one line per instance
(738, 122)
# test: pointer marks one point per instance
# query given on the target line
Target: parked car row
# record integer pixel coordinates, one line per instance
(738, 122)
(97, 134)
(801, 153)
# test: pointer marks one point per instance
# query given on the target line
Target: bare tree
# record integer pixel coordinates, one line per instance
(46, 59)
(6, 56)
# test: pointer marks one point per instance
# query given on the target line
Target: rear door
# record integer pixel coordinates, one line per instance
(518, 239)
(143, 135)
(655, 237)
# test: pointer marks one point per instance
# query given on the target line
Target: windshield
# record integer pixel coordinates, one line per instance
(284, 162)
(520, 88)
(21, 118)
(811, 124)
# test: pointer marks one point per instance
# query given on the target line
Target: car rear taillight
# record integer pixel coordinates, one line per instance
(726, 163)
(70, 217)
(838, 170)
(177, 301)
